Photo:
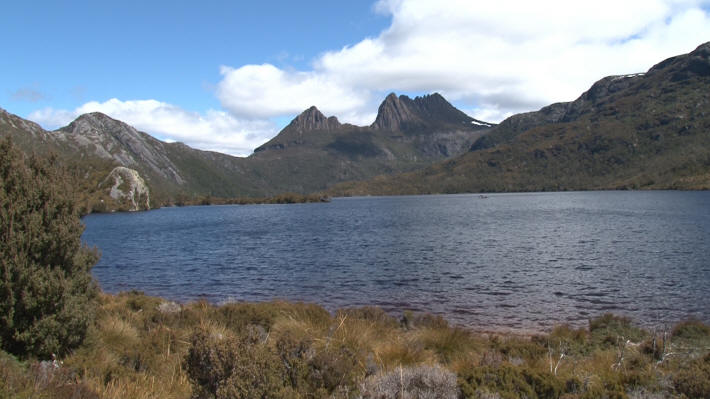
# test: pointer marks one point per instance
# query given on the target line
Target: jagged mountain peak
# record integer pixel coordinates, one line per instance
(395, 112)
(403, 113)
(313, 119)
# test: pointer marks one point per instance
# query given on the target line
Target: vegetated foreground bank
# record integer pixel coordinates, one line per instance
(146, 347)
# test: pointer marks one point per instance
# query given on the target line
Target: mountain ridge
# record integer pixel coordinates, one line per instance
(310, 154)
(647, 130)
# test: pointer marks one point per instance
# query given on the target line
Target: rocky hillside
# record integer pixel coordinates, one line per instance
(647, 130)
(310, 154)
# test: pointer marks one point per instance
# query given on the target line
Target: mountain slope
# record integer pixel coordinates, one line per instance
(647, 130)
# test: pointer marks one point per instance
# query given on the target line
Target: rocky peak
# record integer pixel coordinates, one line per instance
(95, 121)
(395, 113)
(403, 113)
(312, 119)
(109, 138)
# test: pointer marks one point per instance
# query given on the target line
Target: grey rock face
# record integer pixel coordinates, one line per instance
(127, 184)
(111, 139)
(402, 114)
(312, 119)
(396, 113)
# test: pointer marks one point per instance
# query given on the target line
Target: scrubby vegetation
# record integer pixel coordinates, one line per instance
(146, 347)
(46, 289)
(285, 198)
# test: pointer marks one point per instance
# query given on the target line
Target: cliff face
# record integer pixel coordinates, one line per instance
(312, 119)
(431, 111)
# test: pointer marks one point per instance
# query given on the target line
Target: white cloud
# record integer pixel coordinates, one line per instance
(262, 91)
(491, 58)
(215, 130)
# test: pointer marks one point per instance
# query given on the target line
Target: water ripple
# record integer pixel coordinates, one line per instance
(513, 260)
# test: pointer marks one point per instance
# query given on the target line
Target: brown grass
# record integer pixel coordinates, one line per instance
(139, 344)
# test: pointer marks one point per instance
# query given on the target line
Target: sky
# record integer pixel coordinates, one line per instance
(228, 75)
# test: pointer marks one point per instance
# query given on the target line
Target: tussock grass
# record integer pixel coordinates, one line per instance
(146, 347)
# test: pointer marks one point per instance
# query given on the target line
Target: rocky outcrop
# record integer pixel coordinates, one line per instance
(312, 119)
(401, 114)
(126, 186)
(396, 113)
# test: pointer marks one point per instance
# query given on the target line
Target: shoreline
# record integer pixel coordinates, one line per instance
(401, 314)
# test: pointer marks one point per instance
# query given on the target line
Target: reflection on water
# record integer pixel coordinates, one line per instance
(519, 261)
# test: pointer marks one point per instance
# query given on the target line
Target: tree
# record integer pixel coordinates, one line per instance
(47, 293)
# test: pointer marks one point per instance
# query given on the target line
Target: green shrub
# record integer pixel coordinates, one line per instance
(316, 370)
(507, 381)
(448, 343)
(574, 341)
(234, 367)
(691, 329)
(46, 289)
(693, 380)
(607, 330)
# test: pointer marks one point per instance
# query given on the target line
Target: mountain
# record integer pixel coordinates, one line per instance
(641, 131)
(314, 151)
(421, 114)
(310, 154)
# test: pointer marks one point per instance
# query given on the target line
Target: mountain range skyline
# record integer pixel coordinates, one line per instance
(636, 131)
(138, 64)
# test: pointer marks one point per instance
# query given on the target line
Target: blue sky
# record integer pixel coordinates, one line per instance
(227, 76)
(66, 53)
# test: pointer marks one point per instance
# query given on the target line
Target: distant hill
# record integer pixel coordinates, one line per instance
(311, 154)
(642, 131)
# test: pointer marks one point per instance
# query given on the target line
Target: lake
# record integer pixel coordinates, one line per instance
(501, 261)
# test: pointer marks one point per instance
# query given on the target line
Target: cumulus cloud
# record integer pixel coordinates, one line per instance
(213, 130)
(270, 91)
(491, 58)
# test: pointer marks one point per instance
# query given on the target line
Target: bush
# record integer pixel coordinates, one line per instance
(234, 367)
(691, 329)
(693, 380)
(508, 382)
(608, 329)
(412, 382)
(46, 289)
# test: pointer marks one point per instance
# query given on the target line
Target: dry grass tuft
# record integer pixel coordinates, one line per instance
(140, 347)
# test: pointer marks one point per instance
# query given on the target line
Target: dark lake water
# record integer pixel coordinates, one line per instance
(508, 261)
